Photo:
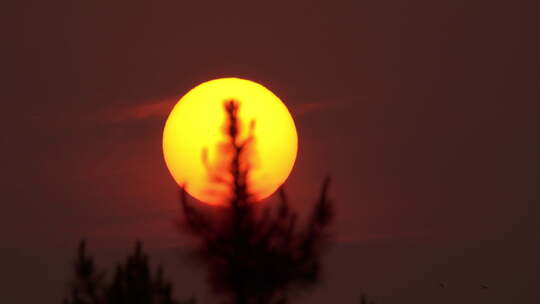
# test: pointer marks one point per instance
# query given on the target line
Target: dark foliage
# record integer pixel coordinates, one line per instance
(87, 287)
(365, 300)
(133, 282)
(255, 255)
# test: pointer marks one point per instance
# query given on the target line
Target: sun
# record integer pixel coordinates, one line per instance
(194, 131)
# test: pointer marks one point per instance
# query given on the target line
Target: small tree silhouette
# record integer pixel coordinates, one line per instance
(252, 255)
(365, 300)
(133, 282)
(88, 283)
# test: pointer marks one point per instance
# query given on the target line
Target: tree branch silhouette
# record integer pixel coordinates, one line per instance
(133, 282)
(255, 255)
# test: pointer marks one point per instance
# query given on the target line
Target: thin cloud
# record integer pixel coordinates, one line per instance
(159, 108)
(318, 106)
(162, 108)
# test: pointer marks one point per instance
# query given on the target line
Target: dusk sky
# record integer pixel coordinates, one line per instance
(424, 113)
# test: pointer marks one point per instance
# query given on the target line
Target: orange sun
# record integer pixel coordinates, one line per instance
(195, 127)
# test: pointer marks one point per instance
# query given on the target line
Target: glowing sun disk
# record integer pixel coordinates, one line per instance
(196, 124)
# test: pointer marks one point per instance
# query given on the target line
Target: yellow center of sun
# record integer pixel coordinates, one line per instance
(194, 131)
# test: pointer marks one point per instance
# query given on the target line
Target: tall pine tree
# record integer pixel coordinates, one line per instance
(252, 255)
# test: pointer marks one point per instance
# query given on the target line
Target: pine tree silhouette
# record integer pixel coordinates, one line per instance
(365, 300)
(88, 283)
(133, 282)
(252, 255)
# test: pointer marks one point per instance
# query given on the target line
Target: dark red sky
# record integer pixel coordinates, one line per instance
(426, 114)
